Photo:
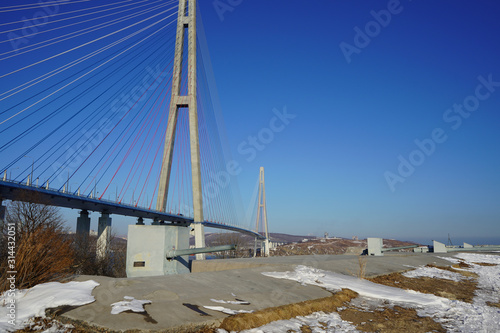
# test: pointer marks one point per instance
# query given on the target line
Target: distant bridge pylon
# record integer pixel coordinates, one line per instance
(262, 212)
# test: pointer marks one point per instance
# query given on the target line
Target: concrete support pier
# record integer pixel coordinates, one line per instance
(83, 224)
(83, 228)
(147, 248)
(199, 238)
(103, 235)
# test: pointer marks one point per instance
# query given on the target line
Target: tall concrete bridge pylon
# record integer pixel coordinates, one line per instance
(186, 21)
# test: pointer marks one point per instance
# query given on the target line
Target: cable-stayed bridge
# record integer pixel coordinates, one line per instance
(115, 99)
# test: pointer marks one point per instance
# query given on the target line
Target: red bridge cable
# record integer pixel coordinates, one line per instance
(152, 116)
(149, 173)
(114, 127)
(138, 134)
(170, 119)
(123, 135)
(89, 119)
(159, 145)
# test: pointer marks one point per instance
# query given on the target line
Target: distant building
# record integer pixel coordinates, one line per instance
(421, 249)
(274, 245)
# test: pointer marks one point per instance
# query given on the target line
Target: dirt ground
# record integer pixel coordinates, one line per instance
(462, 291)
(389, 320)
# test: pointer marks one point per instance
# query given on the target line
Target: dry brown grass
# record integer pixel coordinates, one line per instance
(362, 267)
(484, 264)
(251, 320)
(462, 264)
(459, 271)
(462, 291)
(496, 305)
(305, 329)
(42, 250)
(43, 255)
(394, 320)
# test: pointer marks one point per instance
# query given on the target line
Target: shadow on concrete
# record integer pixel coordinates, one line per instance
(196, 308)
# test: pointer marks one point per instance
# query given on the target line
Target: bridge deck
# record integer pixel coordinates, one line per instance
(22, 192)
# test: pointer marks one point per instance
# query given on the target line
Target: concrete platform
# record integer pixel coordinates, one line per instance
(178, 300)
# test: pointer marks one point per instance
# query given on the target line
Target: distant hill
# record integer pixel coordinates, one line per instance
(289, 244)
(331, 246)
(298, 245)
(212, 239)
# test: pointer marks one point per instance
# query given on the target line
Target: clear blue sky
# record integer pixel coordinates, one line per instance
(326, 170)
(373, 138)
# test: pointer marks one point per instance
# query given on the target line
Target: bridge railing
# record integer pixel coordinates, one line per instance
(64, 190)
(48, 191)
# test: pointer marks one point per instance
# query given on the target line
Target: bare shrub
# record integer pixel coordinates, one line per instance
(43, 249)
(231, 238)
(29, 216)
(43, 255)
(361, 274)
(362, 267)
(87, 263)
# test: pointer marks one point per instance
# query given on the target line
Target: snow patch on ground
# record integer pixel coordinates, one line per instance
(130, 303)
(226, 310)
(477, 257)
(229, 302)
(335, 282)
(34, 301)
(455, 316)
(434, 272)
(489, 276)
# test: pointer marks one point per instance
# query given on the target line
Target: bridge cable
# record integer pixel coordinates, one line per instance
(90, 118)
(61, 69)
(65, 13)
(138, 134)
(77, 33)
(85, 73)
(67, 18)
(7, 8)
(88, 43)
(115, 143)
(53, 113)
